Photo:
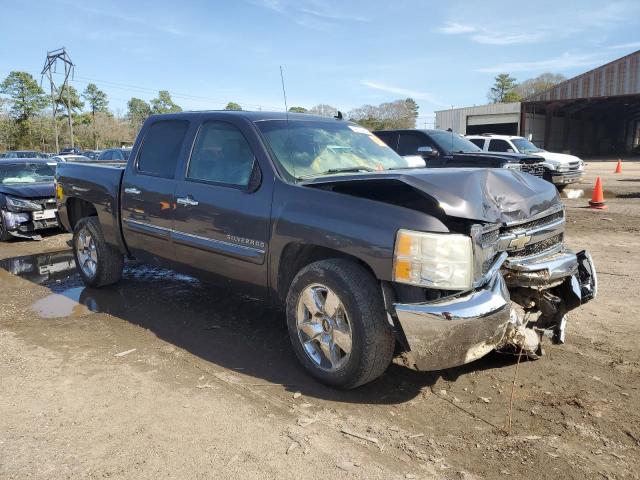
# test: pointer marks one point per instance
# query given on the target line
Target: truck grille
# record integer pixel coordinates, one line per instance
(46, 203)
(535, 169)
(538, 248)
(533, 237)
(574, 166)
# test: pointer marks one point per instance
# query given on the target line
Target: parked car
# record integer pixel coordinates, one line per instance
(23, 154)
(70, 151)
(115, 155)
(365, 254)
(92, 154)
(443, 148)
(27, 203)
(559, 168)
(70, 158)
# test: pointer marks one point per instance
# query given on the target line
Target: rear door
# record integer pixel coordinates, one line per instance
(223, 206)
(148, 191)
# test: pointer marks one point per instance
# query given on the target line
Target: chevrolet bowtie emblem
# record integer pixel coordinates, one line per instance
(519, 242)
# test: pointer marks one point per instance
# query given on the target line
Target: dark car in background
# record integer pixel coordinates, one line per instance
(70, 151)
(27, 197)
(114, 155)
(92, 154)
(443, 148)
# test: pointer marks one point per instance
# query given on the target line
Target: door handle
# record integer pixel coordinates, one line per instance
(132, 191)
(187, 201)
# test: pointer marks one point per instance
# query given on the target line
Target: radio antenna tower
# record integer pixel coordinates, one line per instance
(57, 92)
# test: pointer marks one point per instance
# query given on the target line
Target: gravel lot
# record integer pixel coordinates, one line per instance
(206, 385)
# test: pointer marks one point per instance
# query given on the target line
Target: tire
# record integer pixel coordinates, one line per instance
(358, 306)
(107, 262)
(4, 234)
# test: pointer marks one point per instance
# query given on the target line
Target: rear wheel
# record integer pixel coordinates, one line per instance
(337, 323)
(98, 263)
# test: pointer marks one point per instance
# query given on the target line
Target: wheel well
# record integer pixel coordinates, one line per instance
(77, 209)
(296, 256)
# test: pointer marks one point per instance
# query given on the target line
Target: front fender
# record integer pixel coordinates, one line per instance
(359, 227)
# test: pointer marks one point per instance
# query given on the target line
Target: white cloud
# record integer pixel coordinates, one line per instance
(563, 62)
(454, 28)
(497, 38)
(403, 91)
(314, 14)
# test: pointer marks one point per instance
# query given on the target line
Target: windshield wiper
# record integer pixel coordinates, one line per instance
(341, 170)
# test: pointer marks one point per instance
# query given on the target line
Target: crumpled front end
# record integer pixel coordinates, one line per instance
(530, 282)
(30, 223)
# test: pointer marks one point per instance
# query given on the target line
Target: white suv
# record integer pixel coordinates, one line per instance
(559, 168)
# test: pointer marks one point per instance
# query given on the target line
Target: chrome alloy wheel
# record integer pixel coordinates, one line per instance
(323, 327)
(86, 252)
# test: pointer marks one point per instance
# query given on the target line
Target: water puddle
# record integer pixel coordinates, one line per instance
(64, 304)
(41, 268)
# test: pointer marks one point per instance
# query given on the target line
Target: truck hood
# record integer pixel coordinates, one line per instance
(28, 190)
(484, 195)
(557, 158)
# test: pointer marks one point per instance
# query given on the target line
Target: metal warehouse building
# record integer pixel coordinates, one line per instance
(596, 113)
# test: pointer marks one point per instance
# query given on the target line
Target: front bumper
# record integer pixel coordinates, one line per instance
(24, 225)
(458, 329)
(564, 178)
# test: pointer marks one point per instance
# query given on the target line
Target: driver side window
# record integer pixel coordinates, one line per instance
(410, 142)
(222, 155)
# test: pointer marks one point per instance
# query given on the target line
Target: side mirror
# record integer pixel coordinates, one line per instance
(427, 152)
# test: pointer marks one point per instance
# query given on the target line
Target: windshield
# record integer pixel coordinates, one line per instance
(451, 142)
(525, 146)
(26, 173)
(307, 149)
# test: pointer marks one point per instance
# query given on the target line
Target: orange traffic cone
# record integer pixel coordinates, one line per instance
(597, 199)
(618, 167)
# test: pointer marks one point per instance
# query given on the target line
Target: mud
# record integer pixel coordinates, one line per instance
(209, 390)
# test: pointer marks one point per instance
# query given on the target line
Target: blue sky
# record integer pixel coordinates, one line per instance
(344, 53)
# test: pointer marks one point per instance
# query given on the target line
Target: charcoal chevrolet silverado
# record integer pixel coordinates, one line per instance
(368, 256)
(27, 203)
(443, 148)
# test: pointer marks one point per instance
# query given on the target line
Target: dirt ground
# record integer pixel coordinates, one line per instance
(162, 376)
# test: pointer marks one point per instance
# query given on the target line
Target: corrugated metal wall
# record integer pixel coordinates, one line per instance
(620, 77)
(456, 118)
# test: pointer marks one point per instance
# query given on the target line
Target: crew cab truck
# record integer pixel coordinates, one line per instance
(444, 148)
(560, 169)
(366, 255)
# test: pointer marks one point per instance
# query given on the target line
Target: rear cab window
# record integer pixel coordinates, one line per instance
(161, 147)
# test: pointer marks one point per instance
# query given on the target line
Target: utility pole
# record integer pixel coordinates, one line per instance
(57, 92)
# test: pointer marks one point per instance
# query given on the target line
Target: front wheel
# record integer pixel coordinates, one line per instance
(337, 323)
(98, 263)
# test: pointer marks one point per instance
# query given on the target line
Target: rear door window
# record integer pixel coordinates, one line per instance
(496, 145)
(390, 138)
(161, 148)
(478, 141)
(106, 155)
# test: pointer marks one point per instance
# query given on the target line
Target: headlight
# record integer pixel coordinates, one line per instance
(513, 166)
(562, 168)
(21, 205)
(433, 260)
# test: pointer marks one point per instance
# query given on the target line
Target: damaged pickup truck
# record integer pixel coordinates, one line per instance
(368, 256)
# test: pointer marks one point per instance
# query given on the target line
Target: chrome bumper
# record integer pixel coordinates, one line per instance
(563, 178)
(459, 329)
(455, 330)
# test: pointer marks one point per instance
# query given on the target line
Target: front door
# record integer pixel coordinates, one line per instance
(148, 192)
(222, 215)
